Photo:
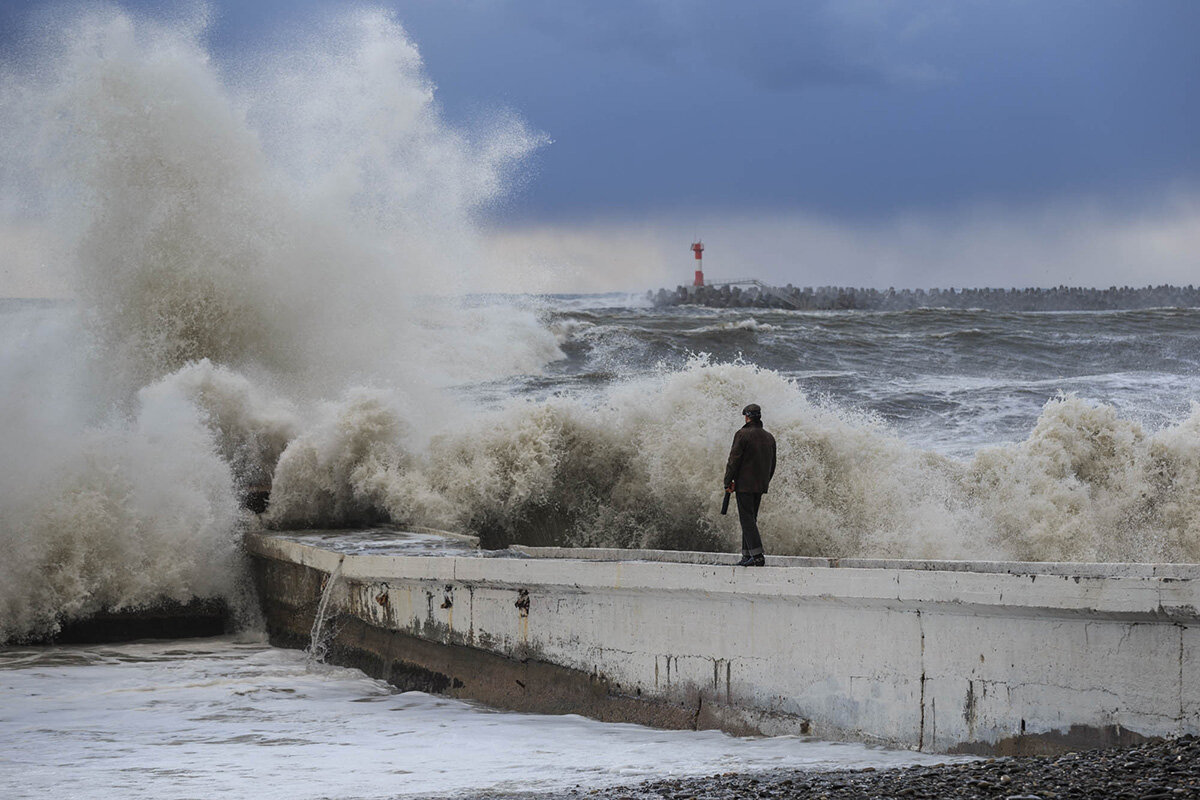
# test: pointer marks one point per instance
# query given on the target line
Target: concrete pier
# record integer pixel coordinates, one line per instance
(939, 656)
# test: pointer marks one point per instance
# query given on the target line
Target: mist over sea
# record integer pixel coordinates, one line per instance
(271, 268)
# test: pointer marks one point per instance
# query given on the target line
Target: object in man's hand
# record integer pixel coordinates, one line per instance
(725, 503)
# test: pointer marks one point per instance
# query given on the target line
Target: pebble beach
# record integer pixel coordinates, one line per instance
(1155, 771)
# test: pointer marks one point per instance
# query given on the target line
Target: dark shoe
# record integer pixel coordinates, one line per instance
(752, 561)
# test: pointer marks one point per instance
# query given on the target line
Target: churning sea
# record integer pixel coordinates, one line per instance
(236, 717)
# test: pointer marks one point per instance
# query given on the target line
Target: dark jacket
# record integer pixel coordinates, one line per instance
(751, 459)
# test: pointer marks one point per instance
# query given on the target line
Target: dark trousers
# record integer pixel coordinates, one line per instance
(747, 503)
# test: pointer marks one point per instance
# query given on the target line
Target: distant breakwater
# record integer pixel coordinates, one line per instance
(826, 298)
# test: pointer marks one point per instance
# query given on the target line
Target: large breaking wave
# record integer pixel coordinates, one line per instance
(642, 469)
(265, 260)
(244, 240)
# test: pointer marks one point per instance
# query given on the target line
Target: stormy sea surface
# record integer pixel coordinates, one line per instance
(189, 718)
(273, 272)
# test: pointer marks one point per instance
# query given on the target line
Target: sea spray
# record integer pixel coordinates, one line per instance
(207, 235)
(251, 427)
(1088, 485)
(118, 515)
(225, 285)
(642, 467)
(324, 477)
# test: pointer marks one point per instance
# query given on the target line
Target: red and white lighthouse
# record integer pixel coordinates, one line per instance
(698, 249)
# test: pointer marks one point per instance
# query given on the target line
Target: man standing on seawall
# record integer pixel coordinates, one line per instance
(749, 471)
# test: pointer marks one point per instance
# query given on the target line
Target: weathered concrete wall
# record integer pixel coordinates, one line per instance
(941, 656)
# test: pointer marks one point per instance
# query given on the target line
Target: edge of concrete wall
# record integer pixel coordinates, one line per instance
(1071, 568)
(404, 619)
(1131, 590)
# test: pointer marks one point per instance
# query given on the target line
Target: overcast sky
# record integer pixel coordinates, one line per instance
(850, 141)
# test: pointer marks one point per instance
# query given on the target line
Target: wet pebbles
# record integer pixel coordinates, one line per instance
(1155, 771)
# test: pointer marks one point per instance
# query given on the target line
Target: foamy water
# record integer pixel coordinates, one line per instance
(218, 718)
(252, 249)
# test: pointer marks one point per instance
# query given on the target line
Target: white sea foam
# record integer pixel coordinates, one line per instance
(112, 513)
(220, 718)
(748, 324)
(642, 468)
(242, 250)
(1088, 485)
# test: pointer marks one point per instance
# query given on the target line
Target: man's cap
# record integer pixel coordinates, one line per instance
(752, 410)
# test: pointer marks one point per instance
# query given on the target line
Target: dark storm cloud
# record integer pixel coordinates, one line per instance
(849, 108)
(845, 108)
(777, 46)
(785, 47)
(908, 143)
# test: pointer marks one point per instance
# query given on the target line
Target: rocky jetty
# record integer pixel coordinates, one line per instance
(1061, 298)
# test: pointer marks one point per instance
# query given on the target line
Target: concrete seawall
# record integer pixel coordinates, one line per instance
(938, 656)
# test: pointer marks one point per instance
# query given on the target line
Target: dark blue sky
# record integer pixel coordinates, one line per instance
(841, 108)
(847, 108)
(855, 112)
